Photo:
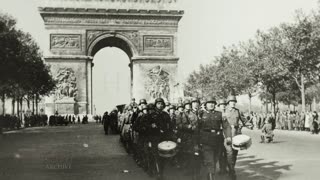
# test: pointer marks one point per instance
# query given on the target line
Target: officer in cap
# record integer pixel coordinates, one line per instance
(233, 116)
(222, 103)
(159, 130)
(213, 128)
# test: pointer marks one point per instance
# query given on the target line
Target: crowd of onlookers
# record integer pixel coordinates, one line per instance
(286, 120)
(10, 122)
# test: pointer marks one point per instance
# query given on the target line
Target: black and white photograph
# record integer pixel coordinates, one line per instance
(159, 89)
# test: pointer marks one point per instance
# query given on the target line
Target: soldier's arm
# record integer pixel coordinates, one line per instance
(241, 119)
(226, 127)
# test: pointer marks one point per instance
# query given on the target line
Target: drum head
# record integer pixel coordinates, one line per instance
(241, 142)
(167, 145)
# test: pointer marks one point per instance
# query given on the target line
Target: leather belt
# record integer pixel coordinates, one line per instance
(217, 131)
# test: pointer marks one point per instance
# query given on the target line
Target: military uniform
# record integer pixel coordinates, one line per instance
(233, 116)
(140, 126)
(159, 129)
(213, 129)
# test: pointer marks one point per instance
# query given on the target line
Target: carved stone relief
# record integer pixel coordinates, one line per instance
(69, 41)
(66, 84)
(157, 83)
(158, 43)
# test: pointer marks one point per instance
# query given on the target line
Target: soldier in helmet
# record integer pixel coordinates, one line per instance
(142, 102)
(159, 130)
(213, 129)
(233, 116)
(167, 106)
(140, 127)
(190, 136)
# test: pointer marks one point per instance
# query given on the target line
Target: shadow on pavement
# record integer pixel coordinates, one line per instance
(252, 168)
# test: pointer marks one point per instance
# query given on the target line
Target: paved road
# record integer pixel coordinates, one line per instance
(84, 152)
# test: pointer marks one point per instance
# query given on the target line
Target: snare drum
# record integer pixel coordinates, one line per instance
(241, 142)
(167, 149)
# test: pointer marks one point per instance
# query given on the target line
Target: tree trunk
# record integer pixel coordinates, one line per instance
(289, 107)
(303, 98)
(37, 103)
(294, 108)
(28, 103)
(267, 107)
(18, 107)
(33, 104)
(3, 99)
(249, 102)
(13, 106)
(314, 104)
(274, 105)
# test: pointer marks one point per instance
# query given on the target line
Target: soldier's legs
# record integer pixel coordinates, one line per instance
(211, 156)
(223, 161)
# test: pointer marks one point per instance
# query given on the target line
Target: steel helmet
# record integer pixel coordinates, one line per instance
(212, 100)
(143, 101)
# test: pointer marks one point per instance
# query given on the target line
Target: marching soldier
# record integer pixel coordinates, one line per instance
(233, 116)
(212, 127)
(190, 136)
(140, 127)
(159, 130)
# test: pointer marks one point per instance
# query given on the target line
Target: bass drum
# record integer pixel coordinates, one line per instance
(241, 142)
(167, 149)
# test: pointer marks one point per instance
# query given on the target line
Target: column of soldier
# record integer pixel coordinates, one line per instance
(202, 133)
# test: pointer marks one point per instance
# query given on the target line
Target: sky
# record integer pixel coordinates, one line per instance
(205, 28)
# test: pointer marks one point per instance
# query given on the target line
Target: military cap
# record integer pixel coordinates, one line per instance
(143, 101)
(212, 100)
(172, 107)
(144, 106)
(133, 99)
(150, 106)
(194, 99)
(232, 98)
(187, 102)
(159, 100)
(168, 103)
(180, 105)
(222, 101)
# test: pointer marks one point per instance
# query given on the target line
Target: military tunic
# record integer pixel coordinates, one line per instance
(212, 128)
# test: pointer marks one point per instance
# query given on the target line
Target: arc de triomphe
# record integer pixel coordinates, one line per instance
(145, 29)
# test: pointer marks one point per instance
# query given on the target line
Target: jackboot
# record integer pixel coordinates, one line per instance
(211, 176)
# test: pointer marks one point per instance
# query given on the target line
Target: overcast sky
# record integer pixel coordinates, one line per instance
(206, 26)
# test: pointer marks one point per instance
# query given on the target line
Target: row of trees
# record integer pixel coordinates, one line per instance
(280, 64)
(23, 74)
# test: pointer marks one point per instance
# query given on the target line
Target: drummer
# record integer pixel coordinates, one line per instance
(211, 135)
(159, 129)
(233, 116)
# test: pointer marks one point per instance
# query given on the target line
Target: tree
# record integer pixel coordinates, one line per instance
(301, 44)
(269, 69)
(22, 70)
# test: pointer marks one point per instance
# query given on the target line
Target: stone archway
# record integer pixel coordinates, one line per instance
(149, 37)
